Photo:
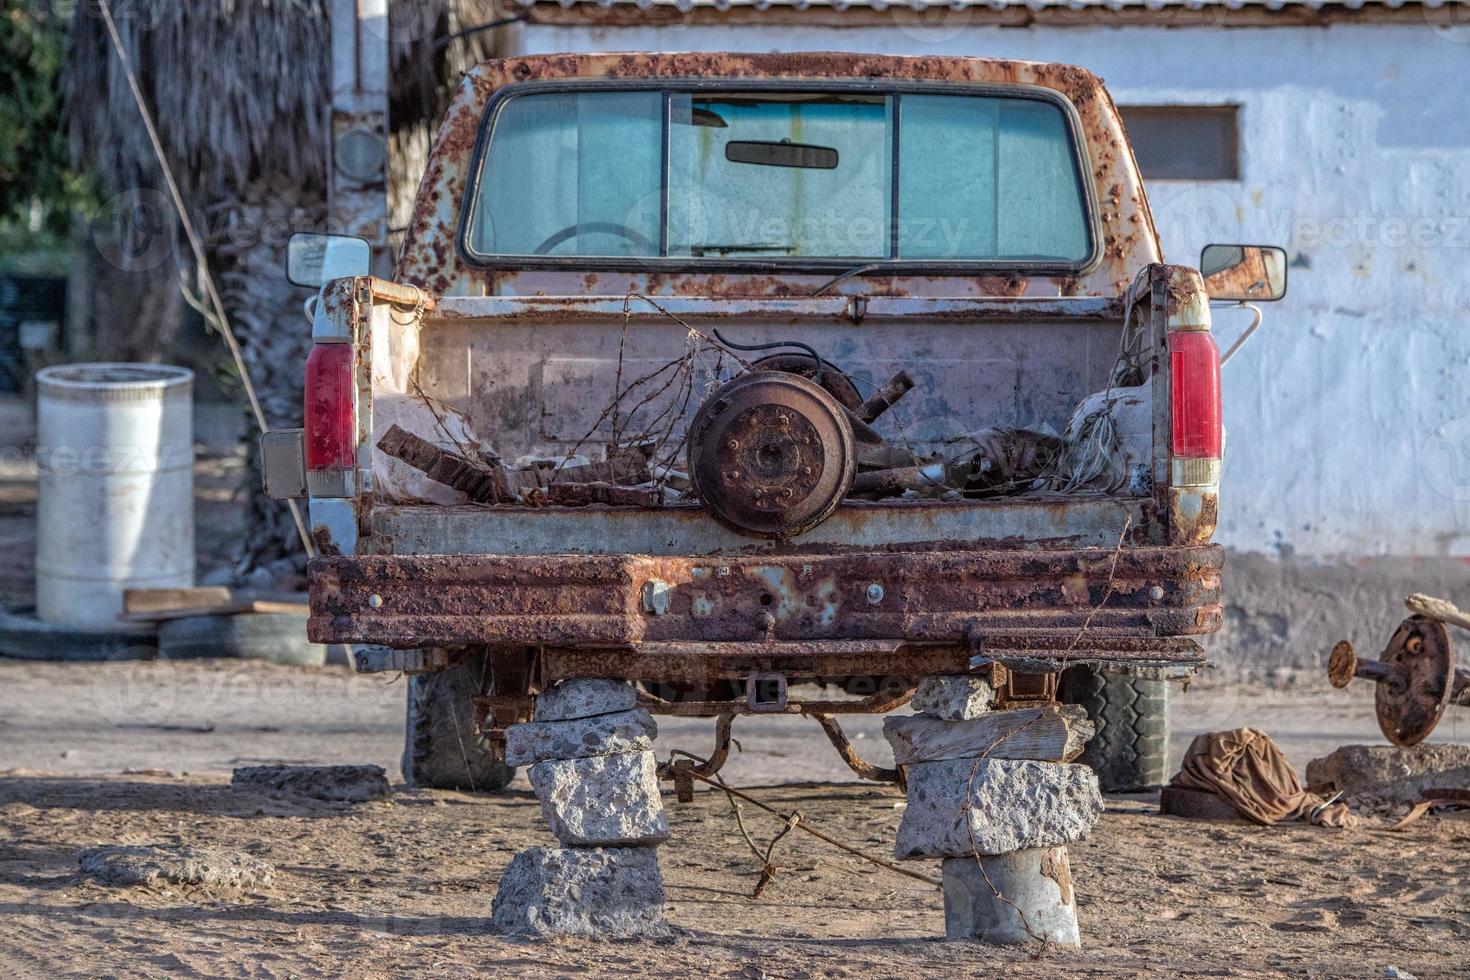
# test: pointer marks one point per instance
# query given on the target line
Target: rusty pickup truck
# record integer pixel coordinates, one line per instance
(774, 383)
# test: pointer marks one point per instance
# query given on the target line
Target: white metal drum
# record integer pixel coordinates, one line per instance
(116, 498)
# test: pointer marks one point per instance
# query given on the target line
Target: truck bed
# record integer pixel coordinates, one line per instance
(943, 583)
(537, 376)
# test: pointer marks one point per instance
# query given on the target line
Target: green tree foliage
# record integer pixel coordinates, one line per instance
(34, 157)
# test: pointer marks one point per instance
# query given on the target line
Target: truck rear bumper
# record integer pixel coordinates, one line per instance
(923, 609)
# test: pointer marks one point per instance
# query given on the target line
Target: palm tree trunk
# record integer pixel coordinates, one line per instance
(269, 320)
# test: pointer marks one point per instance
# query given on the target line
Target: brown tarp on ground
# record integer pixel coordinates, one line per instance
(1248, 769)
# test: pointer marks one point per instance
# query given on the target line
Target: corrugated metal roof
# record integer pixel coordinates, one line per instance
(918, 5)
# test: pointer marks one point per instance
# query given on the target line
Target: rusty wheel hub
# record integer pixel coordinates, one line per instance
(771, 454)
(1417, 686)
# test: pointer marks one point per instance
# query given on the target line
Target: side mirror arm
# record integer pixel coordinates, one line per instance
(1246, 334)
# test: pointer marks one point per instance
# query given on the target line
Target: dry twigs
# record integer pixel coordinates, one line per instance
(794, 821)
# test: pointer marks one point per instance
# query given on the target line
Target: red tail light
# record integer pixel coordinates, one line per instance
(331, 437)
(1194, 385)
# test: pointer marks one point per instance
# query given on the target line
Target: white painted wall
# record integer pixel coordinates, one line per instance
(1348, 413)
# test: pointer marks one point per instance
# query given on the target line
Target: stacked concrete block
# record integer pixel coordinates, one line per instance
(592, 768)
(1038, 904)
(990, 794)
(959, 807)
(580, 738)
(606, 801)
(953, 698)
(581, 891)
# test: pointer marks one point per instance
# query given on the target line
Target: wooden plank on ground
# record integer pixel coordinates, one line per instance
(168, 600)
(158, 605)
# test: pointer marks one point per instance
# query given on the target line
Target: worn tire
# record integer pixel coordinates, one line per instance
(1130, 751)
(279, 638)
(440, 748)
(25, 637)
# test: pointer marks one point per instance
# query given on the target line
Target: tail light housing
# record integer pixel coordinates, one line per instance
(331, 421)
(1197, 436)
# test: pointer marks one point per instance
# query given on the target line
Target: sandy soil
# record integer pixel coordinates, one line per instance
(140, 753)
(391, 889)
(404, 887)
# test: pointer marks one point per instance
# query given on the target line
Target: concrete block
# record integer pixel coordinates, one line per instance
(585, 697)
(1390, 773)
(202, 866)
(953, 697)
(1012, 805)
(580, 738)
(340, 784)
(607, 801)
(1050, 733)
(581, 891)
(1021, 897)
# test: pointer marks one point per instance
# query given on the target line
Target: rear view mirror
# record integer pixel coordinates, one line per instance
(315, 259)
(765, 153)
(1249, 273)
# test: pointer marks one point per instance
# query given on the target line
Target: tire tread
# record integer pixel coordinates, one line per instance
(1129, 751)
(440, 749)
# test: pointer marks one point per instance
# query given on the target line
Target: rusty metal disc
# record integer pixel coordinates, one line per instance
(1413, 695)
(1342, 664)
(771, 454)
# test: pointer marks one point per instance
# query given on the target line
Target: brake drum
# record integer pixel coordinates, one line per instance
(771, 454)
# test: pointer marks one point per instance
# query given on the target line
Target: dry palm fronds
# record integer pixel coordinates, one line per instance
(238, 89)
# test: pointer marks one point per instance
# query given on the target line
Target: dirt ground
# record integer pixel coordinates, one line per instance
(140, 753)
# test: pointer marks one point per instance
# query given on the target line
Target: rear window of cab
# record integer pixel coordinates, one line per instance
(797, 177)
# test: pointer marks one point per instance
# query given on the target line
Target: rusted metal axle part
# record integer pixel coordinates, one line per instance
(1415, 678)
(487, 483)
(898, 386)
(1344, 664)
(683, 771)
(855, 762)
(876, 704)
(895, 481)
(771, 454)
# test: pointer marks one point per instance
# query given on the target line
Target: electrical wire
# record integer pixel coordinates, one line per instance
(777, 345)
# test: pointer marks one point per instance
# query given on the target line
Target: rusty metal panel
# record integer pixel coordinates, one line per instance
(542, 376)
(832, 309)
(938, 596)
(682, 529)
